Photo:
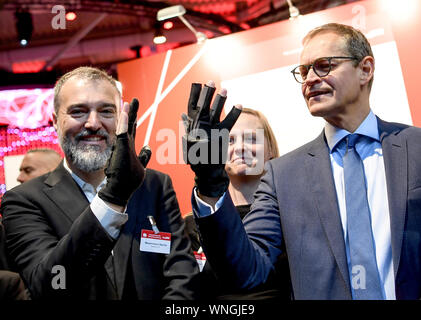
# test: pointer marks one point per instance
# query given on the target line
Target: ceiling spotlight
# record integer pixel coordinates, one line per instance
(159, 37)
(178, 11)
(24, 26)
(168, 25)
(293, 10)
(70, 16)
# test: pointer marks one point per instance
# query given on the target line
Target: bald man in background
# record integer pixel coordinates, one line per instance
(38, 162)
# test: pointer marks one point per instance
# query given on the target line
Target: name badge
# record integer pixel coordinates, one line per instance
(155, 242)
(200, 258)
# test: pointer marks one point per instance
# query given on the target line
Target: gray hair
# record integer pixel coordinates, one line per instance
(356, 43)
(88, 73)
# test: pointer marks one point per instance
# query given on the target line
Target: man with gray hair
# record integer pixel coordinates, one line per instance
(81, 232)
(37, 162)
(346, 206)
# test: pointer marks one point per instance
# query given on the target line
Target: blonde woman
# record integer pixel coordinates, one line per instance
(248, 150)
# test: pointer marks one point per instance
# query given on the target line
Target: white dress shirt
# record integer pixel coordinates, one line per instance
(371, 153)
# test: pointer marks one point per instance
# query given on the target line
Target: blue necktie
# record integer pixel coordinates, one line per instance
(365, 279)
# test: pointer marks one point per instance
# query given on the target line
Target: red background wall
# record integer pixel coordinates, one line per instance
(254, 51)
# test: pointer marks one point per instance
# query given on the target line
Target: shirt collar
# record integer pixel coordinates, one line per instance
(367, 128)
(82, 184)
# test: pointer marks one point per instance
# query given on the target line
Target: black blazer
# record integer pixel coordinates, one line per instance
(4, 265)
(11, 284)
(48, 222)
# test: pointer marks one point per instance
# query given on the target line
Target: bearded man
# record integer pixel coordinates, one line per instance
(80, 232)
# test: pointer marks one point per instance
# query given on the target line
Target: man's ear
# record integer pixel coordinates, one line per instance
(367, 70)
(55, 120)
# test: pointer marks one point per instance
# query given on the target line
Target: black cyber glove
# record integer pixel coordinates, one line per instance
(125, 170)
(205, 144)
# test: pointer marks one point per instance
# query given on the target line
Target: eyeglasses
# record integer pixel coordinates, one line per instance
(321, 67)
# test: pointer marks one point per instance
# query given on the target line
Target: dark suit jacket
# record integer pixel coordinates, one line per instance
(276, 288)
(296, 203)
(4, 265)
(49, 222)
(11, 284)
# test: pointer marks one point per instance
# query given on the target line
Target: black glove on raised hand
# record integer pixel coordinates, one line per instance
(125, 170)
(205, 143)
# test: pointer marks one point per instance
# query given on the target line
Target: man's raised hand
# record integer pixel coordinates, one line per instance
(205, 143)
(125, 170)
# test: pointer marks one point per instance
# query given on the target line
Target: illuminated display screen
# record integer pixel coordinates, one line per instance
(26, 108)
(25, 116)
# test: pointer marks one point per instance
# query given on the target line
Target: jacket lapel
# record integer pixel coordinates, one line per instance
(318, 166)
(395, 157)
(63, 190)
(122, 251)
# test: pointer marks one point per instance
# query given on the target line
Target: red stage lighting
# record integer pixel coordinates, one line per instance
(168, 25)
(70, 16)
(31, 66)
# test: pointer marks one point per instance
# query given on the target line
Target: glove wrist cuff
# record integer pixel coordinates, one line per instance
(103, 194)
(212, 187)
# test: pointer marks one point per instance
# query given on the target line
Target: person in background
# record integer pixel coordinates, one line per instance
(37, 162)
(347, 205)
(245, 150)
(86, 230)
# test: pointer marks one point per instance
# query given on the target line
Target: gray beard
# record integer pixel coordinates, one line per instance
(87, 158)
